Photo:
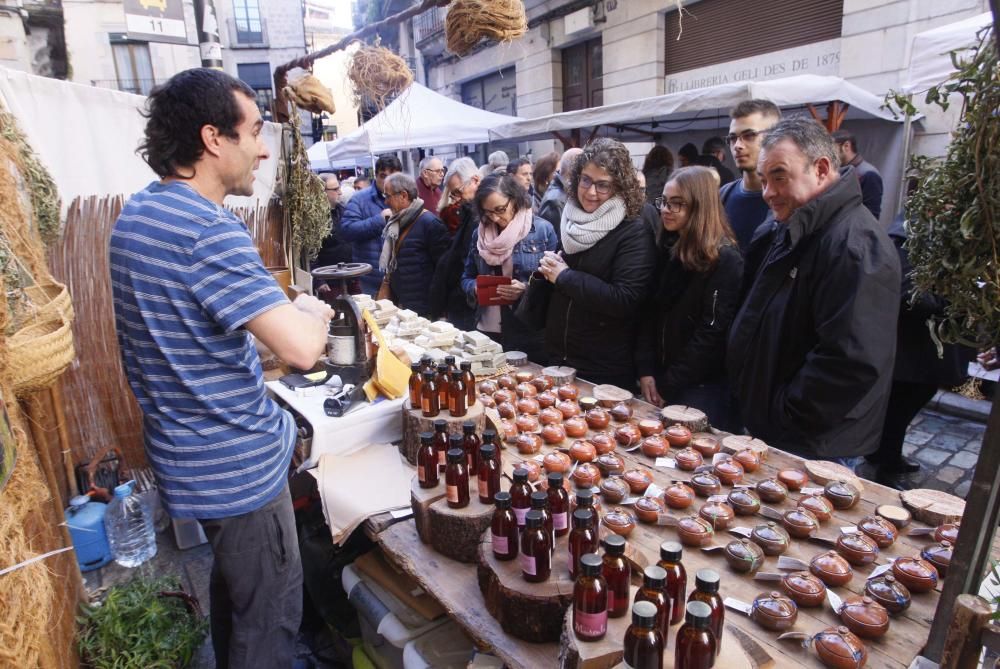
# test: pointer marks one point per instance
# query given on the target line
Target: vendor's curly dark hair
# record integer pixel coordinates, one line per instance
(612, 156)
(176, 112)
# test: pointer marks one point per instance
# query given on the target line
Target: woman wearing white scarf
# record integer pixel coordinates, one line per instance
(509, 242)
(603, 275)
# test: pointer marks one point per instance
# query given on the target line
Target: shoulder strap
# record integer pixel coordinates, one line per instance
(727, 190)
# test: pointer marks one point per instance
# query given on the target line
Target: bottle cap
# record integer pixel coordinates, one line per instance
(455, 440)
(489, 434)
(671, 551)
(487, 450)
(533, 518)
(449, 360)
(697, 614)
(520, 475)
(440, 425)
(468, 427)
(644, 615)
(584, 498)
(555, 480)
(502, 500)
(456, 455)
(539, 500)
(590, 564)
(583, 517)
(426, 437)
(425, 359)
(415, 366)
(466, 366)
(654, 577)
(428, 376)
(124, 490)
(707, 580)
(614, 544)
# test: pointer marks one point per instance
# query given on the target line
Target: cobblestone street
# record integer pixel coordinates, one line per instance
(947, 447)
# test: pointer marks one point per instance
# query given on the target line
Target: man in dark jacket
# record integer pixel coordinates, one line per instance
(364, 219)
(868, 176)
(810, 353)
(554, 199)
(447, 298)
(334, 250)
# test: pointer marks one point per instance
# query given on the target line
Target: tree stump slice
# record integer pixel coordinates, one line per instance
(933, 506)
(604, 654)
(420, 501)
(690, 417)
(963, 642)
(529, 611)
(456, 533)
(414, 423)
(738, 442)
(559, 375)
(824, 471)
(608, 395)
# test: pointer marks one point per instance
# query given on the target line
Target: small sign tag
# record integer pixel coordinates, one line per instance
(666, 462)
(741, 531)
(849, 529)
(663, 518)
(737, 605)
(812, 491)
(654, 491)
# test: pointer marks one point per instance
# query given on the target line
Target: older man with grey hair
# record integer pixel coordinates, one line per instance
(430, 176)
(413, 241)
(811, 351)
(554, 200)
(447, 298)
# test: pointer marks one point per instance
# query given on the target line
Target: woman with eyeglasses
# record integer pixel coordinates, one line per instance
(680, 354)
(601, 278)
(509, 243)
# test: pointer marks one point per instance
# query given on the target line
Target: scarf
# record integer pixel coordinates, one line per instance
(398, 223)
(580, 230)
(496, 248)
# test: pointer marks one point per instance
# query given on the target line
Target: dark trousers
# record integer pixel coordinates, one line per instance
(905, 401)
(256, 586)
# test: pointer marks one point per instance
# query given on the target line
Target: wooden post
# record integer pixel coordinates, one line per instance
(963, 643)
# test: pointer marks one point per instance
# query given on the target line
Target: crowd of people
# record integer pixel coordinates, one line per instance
(768, 299)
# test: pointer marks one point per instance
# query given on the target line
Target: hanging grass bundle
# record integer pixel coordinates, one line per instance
(378, 74)
(469, 21)
(41, 186)
(306, 205)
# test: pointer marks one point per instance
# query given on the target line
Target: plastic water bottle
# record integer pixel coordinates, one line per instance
(129, 527)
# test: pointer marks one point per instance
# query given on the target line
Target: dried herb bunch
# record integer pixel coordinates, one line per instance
(41, 186)
(954, 230)
(306, 203)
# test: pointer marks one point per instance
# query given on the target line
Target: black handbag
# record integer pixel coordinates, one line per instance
(533, 308)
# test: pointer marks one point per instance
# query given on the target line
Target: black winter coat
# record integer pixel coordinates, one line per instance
(447, 299)
(811, 350)
(682, 337)
(594, 310)
(416, 261)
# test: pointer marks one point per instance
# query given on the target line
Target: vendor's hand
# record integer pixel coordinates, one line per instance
(648, 386)
(314, 306)
(551, 266)
(988, 359)
(511, 292)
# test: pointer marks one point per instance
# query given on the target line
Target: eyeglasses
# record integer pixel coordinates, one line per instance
(602, 187)
(437, 171)
(748, 136)
(499, 211)
(673, 206)
(333, 189)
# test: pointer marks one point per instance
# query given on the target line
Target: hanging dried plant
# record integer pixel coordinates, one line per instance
(378, 75)
(470, 21)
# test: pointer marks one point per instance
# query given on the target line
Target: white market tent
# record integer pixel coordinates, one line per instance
(417, 118)
(930, 59)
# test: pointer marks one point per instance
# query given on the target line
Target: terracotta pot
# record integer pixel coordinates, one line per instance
(649, 427)
(917, 574)
(507, 410)
(841, 494)
(547, 399)
(800, 523)
(771, 537)
(744, 556)
(620, 522)
(857, 548)
(794, 479)
(879, 530)
(678, 495)
(523, 376)
(586, 475)
(550, 416)
(598, 418)
(638, 480)
(526, 390)
(744, 501)
(552, 434)
(939, 555)
(568, 408)
(839, 648)
(719, 514)
(504, 395)
(889, 592)
(627, 435)
(610, 464)
(621, 412)
(707, 446)
(689, 459)
(774, 611)
(528, 405)
(819, 506)
(534, 469)
(556, 462)
(582, 451)
(604, 442)
(510, 430)
(706, 484)
(507, 381)
(865, 617)
(678, 436)
(541, 383)
(728, 470)
(831, 568)
(747, 458)
(528, 423)
(772, 491)
(804, 589)
(614, 489)
(695, 531)
(487, 401)
(528, 443)
(487, 387)
(648, 509)
(568, 391)
(575, 426)
(654, 446)
(947, 532)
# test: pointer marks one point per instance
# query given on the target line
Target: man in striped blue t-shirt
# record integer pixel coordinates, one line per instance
(189, 291)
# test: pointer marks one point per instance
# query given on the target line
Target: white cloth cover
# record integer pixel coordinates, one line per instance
(930, 62)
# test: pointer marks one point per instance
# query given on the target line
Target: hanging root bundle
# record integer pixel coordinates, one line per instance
(469, 21)
(378, 74)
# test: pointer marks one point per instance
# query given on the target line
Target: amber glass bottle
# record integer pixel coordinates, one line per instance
(654, 580)
(585, 500)
(706, 589)
(520, 495)
(470, 444)
(618, 573)
(441, 441)
(416, 380)
(695, 647)
(427, 461)
(442, 382)
(456, 479)
(455, 441)
(489, 473)
(643, 646)
(536, 552)
(458, 399)
(590, 600)
(583, 539)
(429, 404)
(427, 363)
(670, 559)
(449, 360)
(540, 502)
(503, 529)
(470, 383)
(558, 504)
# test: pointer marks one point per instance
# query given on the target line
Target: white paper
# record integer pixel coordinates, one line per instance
(654, 491)
(849, 529)
(666, 462)
(736, 605)
(812, 491)
(978, 371)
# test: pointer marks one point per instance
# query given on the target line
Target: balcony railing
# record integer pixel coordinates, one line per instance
(247, 36)
(428, 25)
(136, 86)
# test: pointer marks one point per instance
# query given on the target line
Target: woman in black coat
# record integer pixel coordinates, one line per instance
(680, 353)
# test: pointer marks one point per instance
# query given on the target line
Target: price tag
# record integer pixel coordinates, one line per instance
(666, 462)
(663, 518)
(849, 529)
(401, 513)
(812, 491)
(539, 458)
(654, 490)
(881, 569)
(715, 499)
(736, 605)
(628, 501)
(719, 456)
(741, 531)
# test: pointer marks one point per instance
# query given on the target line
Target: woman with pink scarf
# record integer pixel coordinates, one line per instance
(509, 243)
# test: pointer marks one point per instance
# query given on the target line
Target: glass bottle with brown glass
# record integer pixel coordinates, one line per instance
(654, 580)
(427, 363)
(489, 473)
(617, 573)
(427, 461)
(590, 600)
(449, 360)
(429, 405)
(643, 645)
(442, 380)
(540, 503)
(558, 504)
(504, 531)
(458, 399)
(416, 380)
(670, 559)
(470, 383)
(706, 589)
(520, 495)
(470, 444)
(456, 480)
(585, 500)
(536, 552)
(583, 539)
(695, 647)
(441, 441)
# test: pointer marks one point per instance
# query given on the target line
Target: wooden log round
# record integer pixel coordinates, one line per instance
(456, 533)
(414, 423)
(933, 506)
(824, 471)
(738, 442)
(529, 611)
(559, 375)
(420, 501)
(690, 417)
(963, 642)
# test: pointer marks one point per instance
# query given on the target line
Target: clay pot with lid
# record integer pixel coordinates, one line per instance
(528, 405)
(729, 471)
(610, 464)
(506, 410)
(648, 509)
(939, 555)
(654, 446)
(528, 443)
(638, 480)
(619, 521)
(689, 459)
(568, 408)
(527, 423)
(597, 418)
(621, 412)
(917, 574)
(744, 556)
(534, 469)
(487, 387)
(488, 401)
(541, 383)
(678, 436)
(706, 445)
(568, 391)
(865, 617)
(947, 532)
(831, 568)
(648, 427)
(772, 491)
(614, 489)
(800, 523)
(857, 548)
(678, 495)
(695, 531)
(553, 434)
(889, 592)
(719, 514)
(841, 494)
(507, 381)
(604, 442)
(706, 484)
(771, 537)
(818, 505)
(745, 502)
(627, 435)
(523, 376)
(509, 430)
(774, 611)
(749, 460)
(575, 427)
(556, 462)
(582, 451)
(526, 389)
(804, 589)
(793, 479)
(547, 400)
(840, 648)
(550, 416)
(586, 475)
(879, 530)
(504, 395)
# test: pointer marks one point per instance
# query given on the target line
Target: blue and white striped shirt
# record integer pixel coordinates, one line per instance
(186, 278)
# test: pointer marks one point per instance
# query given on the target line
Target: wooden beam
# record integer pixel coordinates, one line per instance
(566, 141)
(593, 133)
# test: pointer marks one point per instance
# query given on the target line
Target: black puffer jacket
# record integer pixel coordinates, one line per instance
(417, 261)
(810, 353)
(594, 310)
(682, 337)
(447, 299)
